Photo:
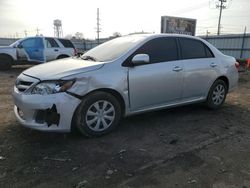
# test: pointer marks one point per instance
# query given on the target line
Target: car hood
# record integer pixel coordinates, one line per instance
(62, 68)
(5, 47)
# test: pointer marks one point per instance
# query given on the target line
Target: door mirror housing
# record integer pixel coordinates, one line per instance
(140, 59)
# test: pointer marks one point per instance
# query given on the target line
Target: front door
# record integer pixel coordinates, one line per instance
(159, 82)
(31, 49)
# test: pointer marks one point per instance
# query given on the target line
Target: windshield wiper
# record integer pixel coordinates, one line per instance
(87, 57)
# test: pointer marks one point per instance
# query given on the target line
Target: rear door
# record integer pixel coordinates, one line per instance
(200, 67)
(52, 49)
(160, 81)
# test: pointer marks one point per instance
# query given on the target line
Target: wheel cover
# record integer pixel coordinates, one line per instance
(218, 94)
(100, 115)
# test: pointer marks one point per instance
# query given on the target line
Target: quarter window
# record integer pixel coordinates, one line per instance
(159, 50)
(192, 49)
(66, 43)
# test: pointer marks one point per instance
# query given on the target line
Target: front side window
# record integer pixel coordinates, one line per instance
(192, 49)
(159, 50)
(32, 43)
(29, 43)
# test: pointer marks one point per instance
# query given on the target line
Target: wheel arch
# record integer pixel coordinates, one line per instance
(61, 56)
(7, 55)
(113, 92)
(225, 79)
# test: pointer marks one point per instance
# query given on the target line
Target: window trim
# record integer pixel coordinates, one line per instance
(127, 61)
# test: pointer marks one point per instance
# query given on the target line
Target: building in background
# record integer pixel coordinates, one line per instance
(178, 25)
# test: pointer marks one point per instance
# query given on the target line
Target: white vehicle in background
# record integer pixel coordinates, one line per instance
(35, 50)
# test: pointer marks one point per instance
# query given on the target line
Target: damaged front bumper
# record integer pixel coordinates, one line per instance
(45, 112)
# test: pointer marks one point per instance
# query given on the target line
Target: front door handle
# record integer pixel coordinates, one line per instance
(56, 50)
(213, 65)
(177, 69)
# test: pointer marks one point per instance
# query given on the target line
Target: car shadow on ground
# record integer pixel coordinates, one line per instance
(164, 121)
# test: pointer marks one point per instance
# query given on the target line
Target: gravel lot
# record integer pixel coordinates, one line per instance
(181, 147)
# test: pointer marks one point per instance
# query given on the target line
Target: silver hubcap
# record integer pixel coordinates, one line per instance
(218, 94)
(100, 115)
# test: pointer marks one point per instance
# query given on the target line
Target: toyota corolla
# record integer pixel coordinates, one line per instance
(124, 76)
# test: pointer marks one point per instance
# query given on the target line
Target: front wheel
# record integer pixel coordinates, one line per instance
(5, 63)
(98, 114)
(217, 95)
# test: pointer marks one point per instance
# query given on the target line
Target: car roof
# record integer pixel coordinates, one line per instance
(153, 35)
(45, 37)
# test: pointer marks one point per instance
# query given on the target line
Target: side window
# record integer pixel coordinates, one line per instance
(66, 43)
(29, 43)
(192, 49)
(160, 50)
(32, 43)
(51, 43)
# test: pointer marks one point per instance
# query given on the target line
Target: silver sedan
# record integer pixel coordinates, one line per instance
(124, 76)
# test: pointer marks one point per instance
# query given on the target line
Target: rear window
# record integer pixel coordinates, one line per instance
(66, 43)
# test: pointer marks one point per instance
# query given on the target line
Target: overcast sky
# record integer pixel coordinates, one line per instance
(123, 16)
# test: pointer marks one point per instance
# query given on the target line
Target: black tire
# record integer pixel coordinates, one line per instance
(5, 62)
(214, 101)
(87, 105)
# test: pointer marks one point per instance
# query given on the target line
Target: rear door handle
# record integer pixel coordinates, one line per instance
(177, 69)
(213, 65)
(56, 50)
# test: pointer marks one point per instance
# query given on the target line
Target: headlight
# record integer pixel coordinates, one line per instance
(51, 87)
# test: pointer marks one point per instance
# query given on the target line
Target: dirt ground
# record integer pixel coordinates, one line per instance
(181, 147)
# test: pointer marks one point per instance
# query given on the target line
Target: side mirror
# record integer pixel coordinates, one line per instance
(19, 46)
(140, 59)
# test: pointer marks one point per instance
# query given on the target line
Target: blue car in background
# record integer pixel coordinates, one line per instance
(35, 50)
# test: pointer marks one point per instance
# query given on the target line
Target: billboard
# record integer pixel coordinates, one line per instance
(178, 25)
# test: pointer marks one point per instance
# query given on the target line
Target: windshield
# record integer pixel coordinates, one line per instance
(15, 43)
(112, 49)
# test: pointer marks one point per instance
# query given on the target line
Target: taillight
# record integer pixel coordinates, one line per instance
(75, 52)
(237, 65)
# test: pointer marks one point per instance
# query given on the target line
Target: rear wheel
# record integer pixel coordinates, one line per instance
(217, 94)
(98, 114)
(5, 62)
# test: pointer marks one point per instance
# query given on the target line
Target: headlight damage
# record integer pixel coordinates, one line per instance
(52, 87)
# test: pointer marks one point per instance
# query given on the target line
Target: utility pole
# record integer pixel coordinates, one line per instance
(98, 26)
(243, 42)
(221, 6)
(207, 33)
(25, 33)
(37, 31)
